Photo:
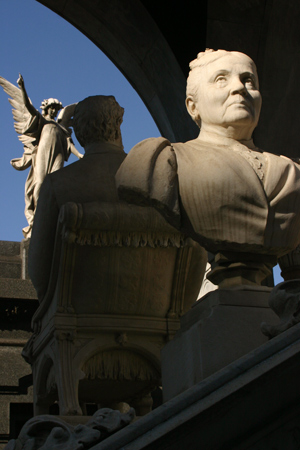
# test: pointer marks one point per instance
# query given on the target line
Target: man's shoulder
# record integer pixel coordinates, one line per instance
(69, 169)
(70, 174)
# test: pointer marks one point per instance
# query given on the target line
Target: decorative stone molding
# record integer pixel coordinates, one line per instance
(285, 302)
(121, 278)
(290, 265)
(119, 365)
(87, 224)
(52, 433)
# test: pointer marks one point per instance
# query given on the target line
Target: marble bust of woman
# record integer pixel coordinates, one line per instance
(237, 201)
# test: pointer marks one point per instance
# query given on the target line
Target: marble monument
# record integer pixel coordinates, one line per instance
(47, 142)
(236, 200)
(112, 280)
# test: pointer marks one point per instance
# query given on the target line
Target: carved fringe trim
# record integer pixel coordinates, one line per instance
(119, 365)
(118, 239)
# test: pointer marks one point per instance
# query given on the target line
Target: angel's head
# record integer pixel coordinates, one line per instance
(50, 107)
(98, 118)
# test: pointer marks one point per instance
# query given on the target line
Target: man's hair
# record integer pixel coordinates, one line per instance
(97, 118)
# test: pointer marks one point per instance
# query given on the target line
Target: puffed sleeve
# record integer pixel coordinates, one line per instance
(148, 176)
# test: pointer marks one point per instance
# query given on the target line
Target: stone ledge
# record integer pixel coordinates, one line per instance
(9, 248)
(11, 342)
(11, 269)
(14, 288)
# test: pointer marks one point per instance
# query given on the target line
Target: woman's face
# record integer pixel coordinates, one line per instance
(52, 111)
(228, 93)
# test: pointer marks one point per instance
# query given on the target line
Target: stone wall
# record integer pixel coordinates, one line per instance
(18, 302)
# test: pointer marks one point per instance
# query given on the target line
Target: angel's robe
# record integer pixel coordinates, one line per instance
(225, 197)
(51, 149)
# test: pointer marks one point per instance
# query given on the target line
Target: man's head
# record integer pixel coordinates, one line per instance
(223, 91)
(98, 118)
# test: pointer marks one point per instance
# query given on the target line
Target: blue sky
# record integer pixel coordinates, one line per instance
(56, 60)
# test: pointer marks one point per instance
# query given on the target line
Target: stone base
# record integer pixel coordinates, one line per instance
(253, 404)
(75, 420)
(220, 328)
(233, 269)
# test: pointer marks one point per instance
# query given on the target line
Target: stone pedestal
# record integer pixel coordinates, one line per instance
(220, 328)
(121, 278)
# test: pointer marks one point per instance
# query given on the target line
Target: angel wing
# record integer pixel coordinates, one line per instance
(64, 117)
(21, 114)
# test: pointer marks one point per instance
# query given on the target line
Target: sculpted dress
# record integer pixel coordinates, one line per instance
(51, 150)
(225, 197)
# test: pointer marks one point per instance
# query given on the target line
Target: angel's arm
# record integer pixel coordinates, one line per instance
(30, 108)
(65, 119)
(73, 149)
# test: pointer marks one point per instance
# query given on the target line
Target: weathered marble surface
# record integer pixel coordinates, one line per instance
(121, 278)
(221, 189)
(112, 279)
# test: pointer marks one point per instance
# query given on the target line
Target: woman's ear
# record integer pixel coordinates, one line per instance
(192, 109)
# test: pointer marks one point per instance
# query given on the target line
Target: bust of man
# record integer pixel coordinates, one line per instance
(237, 201)
(96, 124)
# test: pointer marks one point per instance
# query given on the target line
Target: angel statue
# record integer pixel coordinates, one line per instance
(47, 142)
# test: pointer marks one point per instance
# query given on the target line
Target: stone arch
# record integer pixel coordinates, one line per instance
(106, 343)
(128, 35)
(113, 373)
